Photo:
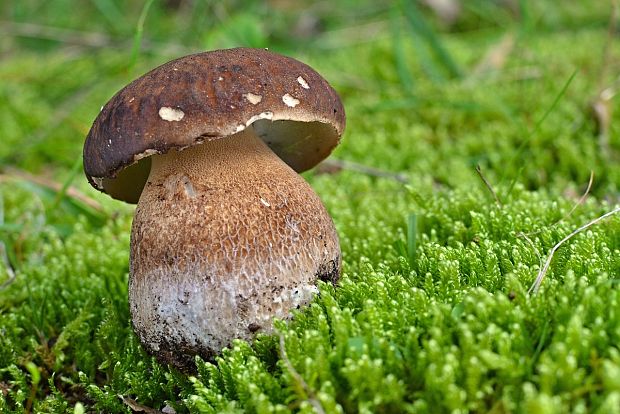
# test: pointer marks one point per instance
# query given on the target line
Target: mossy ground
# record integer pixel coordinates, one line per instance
(433, 312)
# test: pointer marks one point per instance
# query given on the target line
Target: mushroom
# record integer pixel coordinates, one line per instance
(226, 235)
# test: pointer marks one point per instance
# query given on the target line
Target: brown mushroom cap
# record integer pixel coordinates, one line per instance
(209, 96)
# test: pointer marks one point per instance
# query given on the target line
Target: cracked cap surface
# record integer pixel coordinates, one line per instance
(209, 96)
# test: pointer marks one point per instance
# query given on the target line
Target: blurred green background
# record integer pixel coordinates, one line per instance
(61, 60)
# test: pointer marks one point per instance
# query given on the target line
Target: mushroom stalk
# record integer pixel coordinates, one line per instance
(225, 237)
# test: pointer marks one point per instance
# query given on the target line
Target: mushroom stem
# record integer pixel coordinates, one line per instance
(225, 237)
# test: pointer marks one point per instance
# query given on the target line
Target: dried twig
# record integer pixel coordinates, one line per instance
(332, 166)
(316, 404)
(577, 204)
(137, 407)
(488, 185)
(581, 199)
(14, 173)
(572, 210)
(82, 38)
(541, 274)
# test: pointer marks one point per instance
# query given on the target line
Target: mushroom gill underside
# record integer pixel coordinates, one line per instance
(225, 237)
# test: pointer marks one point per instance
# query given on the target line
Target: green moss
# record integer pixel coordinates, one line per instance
(434, 317)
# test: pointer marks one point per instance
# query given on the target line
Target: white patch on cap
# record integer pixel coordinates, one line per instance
(144, 154)
(290, 101)
(253, 99)
(170, 114)
(98, 181)
(262, 115)
(303, 82)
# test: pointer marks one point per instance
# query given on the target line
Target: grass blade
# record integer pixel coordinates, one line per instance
(137, 38)
(519, 151)
(75, 169)
(110, 12)
(421, 27)
(404, 74)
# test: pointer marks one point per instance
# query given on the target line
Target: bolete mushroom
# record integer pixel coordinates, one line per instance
(226, 235)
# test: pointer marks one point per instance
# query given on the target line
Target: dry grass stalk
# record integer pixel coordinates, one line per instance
(543, 271)
(316, 404)
(72, 192)
(332, 166)
(488, 185)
